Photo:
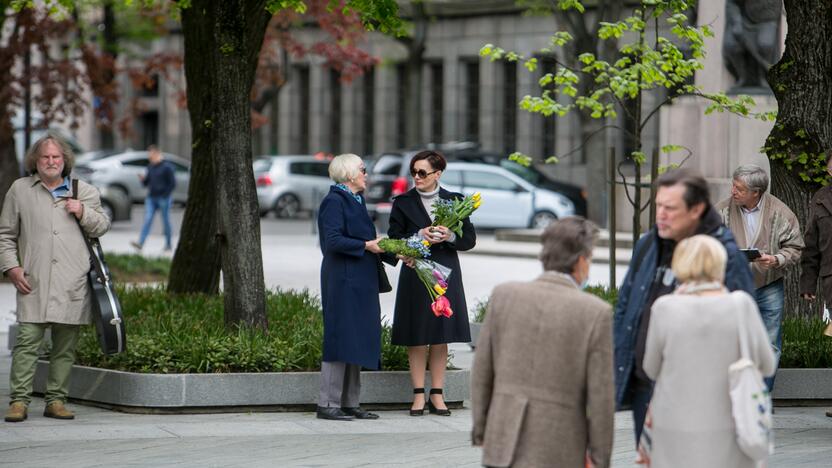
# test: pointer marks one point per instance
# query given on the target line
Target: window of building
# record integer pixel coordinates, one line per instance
(149, 129)
(401, 111)
(437, 101)
(304, 103)
(335, 111)
(509, 107)
(471, 96)
(368, 133)
(151, 87)
(548, 134)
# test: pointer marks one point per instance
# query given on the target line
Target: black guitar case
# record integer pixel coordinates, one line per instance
(106, 308)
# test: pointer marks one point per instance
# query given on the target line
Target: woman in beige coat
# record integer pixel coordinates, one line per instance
(692, 340)
(542, 381)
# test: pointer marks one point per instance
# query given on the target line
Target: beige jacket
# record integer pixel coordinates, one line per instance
(542, 380)
(37, 233)
(778, 234)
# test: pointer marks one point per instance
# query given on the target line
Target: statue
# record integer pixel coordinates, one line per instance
(751, 42)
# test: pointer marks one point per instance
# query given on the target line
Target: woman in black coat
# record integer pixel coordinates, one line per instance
(414, 324)
(349, 291)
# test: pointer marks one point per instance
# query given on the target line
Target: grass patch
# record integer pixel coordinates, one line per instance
(186, 334)
(135, 268)
(804, 344)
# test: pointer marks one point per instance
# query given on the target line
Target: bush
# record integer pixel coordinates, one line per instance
(186, 334)
(608, 294)
(804, 344)
(135, 268)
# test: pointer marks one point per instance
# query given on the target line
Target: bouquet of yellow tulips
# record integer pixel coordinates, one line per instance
(450, 213)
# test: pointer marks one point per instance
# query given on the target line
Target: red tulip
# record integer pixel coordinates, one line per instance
(441, 306)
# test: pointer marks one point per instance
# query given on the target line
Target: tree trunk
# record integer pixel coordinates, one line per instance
(802, 84)
(9, 168)
(222, 43)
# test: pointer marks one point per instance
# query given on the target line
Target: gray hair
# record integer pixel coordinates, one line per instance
(30, 161)
(753, 176)
(344, 167)
(565, 240)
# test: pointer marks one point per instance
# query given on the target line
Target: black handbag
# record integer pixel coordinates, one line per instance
(383, 282)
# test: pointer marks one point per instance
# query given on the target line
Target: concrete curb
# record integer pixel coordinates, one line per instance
(803, 384)
(290, 391)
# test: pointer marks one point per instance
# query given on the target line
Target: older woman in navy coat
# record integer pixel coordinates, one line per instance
(414, 325)
(349, 291)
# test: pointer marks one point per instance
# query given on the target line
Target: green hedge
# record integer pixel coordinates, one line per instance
(186, 334)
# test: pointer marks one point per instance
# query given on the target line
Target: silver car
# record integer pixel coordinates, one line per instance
(121, 171)
(288, 185)
(508, 201)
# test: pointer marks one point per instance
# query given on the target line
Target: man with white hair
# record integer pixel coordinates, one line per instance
(760, 221)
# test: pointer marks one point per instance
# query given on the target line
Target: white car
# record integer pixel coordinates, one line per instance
(508, 201)
(121, 171)
(288, 185)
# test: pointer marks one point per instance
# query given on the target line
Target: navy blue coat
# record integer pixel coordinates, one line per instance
(349, 282)
(413, 321)
(635, 289)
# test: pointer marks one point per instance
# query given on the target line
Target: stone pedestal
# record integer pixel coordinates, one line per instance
(719, 142)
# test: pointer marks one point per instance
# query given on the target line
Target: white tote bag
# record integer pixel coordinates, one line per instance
(750, 402)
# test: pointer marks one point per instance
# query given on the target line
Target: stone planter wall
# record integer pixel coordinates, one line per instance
(803, 384)
(194, 392)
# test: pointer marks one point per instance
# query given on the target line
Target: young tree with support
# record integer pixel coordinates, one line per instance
(651, 64)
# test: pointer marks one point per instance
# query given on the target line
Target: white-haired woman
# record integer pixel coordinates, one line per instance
(349, 291)
(692, 340)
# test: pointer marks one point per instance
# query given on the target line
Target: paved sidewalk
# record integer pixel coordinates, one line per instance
(105, 438)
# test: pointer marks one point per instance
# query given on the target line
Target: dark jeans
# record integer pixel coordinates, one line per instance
(640, 393)
(770, 302)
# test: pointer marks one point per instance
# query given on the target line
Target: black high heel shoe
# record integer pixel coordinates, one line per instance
(418, 412)
(434, 410)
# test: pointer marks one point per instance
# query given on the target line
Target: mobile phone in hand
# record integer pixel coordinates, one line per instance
(751, 254)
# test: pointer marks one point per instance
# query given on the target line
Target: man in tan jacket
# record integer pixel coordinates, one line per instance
(42, 252)
(760, 221)
(542, 380)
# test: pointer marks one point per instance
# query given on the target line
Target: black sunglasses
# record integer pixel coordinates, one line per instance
(363, 170)
(421, 173)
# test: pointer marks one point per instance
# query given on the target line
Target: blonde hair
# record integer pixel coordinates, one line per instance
(699, 259)
(344, 167)
(30, 161)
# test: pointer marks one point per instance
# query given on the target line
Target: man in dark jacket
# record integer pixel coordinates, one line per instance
(683, 209)
(160, 181)
(816, 262)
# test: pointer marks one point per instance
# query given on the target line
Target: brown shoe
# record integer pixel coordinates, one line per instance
(17, 412)
(57, 410)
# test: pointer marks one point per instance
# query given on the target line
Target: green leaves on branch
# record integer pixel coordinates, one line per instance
(596, 86)
(799, 152)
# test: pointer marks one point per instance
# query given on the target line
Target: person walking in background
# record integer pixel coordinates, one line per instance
(683, 209)
(543, 367)
(816, 262)
(160, 180)
(414, 325)
(759, 220)
(693, 339)
(349, 291)
(43, 253)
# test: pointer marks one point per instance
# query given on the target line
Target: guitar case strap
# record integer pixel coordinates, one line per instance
(93, 245)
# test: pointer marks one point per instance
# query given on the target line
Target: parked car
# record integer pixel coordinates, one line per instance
(289, 185)
(116, 204)
(121, 172)
(389, 175)
(509, 201)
